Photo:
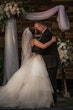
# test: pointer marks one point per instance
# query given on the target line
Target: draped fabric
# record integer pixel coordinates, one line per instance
(62, 18)
(11, 63)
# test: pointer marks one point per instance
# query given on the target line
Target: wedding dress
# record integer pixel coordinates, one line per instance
(30, 86)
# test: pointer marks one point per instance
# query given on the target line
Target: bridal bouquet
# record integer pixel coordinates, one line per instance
(65, 49)
(8, 9)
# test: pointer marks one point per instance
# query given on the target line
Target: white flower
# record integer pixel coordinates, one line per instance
(7, 5)
(65, 49)
(10, 7)
(17, 9)
(6, 9)
(15, 5)
(62, 45)
(13, 11)
(8, 14)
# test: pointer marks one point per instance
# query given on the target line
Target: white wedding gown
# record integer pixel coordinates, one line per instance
(30, 86)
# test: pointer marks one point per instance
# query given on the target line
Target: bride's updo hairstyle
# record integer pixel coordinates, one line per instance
(33, 31)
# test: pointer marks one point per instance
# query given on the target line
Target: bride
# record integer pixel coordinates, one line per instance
(30, 86)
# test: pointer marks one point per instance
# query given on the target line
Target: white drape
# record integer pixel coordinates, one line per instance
(62, 18)
(11, 63)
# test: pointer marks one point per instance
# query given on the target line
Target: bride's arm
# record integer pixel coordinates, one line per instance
(41, 45)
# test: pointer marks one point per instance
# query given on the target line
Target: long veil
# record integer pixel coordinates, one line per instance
(26, 45)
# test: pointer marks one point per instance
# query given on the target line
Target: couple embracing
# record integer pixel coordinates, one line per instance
(34, 84)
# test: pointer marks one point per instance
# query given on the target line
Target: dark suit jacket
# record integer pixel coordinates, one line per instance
(50, 54)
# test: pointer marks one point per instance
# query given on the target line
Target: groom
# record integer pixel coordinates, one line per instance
(50, 55)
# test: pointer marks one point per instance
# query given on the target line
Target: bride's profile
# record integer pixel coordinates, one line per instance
(30, 86)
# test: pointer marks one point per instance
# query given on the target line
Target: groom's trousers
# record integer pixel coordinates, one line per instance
(52, 62)
(52, 74)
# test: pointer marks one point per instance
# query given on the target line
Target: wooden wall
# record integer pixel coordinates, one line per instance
(43, 5)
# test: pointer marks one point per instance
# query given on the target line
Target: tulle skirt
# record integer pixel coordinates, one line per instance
(29, 87)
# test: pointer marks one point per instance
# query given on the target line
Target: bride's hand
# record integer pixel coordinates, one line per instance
(54, 39)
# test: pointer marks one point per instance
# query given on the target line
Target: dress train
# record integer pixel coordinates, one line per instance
(29, 87)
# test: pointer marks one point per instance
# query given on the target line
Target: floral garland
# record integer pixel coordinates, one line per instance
(8, 9)
(65, 49)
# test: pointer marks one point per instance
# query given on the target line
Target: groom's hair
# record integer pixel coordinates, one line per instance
(40, 23)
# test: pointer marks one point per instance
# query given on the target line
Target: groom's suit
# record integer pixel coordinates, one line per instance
(51, 58)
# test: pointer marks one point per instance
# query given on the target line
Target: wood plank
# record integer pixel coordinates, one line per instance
(62, 0)
(69, 75)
